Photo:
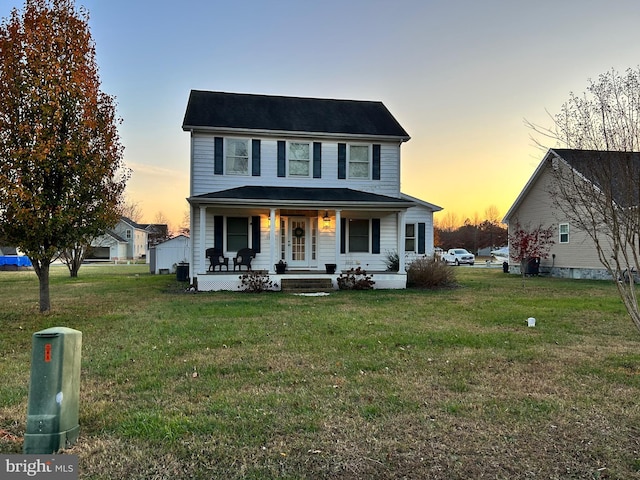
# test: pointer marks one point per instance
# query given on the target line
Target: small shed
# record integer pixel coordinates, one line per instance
(165, 256)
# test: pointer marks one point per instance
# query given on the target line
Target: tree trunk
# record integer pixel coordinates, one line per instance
(42, 270)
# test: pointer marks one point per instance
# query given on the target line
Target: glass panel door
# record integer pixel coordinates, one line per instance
(298, 238)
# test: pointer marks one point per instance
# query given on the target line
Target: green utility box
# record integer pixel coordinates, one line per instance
(52, 413)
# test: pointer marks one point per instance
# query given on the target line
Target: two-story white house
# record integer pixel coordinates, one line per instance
(308, 181)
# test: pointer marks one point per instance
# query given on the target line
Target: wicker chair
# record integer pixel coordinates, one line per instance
(217, 259)
(243, 257)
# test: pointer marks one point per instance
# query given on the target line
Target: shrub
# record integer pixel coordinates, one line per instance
(355, 279)
(429, 272)
(392, 261)
(256, 282)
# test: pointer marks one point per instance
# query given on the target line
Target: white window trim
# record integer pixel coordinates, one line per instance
(369, 160)
(309, 160)
(561, 233)
(414, 237)
(225, 156)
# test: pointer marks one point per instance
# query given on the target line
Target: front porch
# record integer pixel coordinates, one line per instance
(230, 281)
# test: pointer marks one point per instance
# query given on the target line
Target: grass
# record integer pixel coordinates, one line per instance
(447, 384)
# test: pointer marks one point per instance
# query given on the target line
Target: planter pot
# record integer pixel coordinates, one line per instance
(280, 267)
(330, 268)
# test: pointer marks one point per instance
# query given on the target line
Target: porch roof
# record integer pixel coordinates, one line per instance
(300, 196)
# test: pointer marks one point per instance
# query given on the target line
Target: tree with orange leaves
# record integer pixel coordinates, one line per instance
(62, 174)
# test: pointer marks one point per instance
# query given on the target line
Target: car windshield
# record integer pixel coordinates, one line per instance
(461, 251)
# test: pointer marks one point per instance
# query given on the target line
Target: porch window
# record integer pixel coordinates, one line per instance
(237, 156)
(564, 233)
(358, 235)
(358, 161)
(237, 233)
(299, 159)
(410, 237)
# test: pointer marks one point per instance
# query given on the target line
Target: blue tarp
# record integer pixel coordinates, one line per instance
(19, 260)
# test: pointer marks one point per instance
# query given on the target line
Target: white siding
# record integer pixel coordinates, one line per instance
(204, 180)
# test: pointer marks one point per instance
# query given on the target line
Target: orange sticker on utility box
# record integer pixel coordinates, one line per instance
(47, 352)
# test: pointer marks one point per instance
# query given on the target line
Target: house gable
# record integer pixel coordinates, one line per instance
(573, 253)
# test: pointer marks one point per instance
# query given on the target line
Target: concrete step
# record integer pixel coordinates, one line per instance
(306, 285)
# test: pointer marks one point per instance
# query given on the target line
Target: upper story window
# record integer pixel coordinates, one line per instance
(299, 159)
(564, 232)
(128, 234)
(358, 161)
(237, 156)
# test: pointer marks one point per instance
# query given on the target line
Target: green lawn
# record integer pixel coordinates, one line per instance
(447, 384)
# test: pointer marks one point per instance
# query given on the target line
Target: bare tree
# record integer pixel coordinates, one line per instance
(597, 188)
(131, 209)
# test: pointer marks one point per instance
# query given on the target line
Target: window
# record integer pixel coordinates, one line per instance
(237, 233)
(299, 159)
(410, 237)
(564, 233)
(358, 161)
(358, 235)
(128, 234)
(237, 157)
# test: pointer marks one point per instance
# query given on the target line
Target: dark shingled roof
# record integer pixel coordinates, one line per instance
(289, 114)
(285, 194)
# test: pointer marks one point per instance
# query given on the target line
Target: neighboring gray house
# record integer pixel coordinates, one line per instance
(573, 255)
(108, 247)
(307, 181)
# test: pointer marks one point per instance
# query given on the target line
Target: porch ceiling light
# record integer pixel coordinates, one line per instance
(326, 219)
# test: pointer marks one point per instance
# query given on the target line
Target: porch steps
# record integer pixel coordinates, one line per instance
(306, 285)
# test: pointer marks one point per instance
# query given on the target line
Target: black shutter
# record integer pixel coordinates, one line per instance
(218, 232)
(376, 162)
(422, 237)
(342, 160)
(255, 158)
(282, 155)
(317, 160)
(343, 235)
(375, 235)
(218, 160)
(255, 234)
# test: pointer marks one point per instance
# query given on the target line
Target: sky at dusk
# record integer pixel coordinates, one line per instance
(460, 76)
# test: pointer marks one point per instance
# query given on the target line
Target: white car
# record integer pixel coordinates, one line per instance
(458, 256)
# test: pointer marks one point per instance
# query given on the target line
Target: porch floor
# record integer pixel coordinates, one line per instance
(230, 281)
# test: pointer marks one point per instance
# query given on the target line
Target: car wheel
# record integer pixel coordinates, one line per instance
(471, 264)
(457, 262)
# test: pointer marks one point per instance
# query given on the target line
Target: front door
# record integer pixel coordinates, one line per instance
(298, 242)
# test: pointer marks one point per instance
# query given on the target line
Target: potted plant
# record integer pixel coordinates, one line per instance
(281, 267)
(330, 268)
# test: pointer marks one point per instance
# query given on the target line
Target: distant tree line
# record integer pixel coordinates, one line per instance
(474, 235)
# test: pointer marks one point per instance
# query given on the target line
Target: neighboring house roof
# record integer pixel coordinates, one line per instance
(266, 113)
(323, 197)
(132, 223)
(585, 163)
(115, 236)
(7, 250)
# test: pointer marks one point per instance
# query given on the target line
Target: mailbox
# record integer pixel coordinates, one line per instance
(54, 390)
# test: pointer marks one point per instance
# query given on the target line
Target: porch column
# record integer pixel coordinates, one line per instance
(203, 235)
(401, 235)
(272, 240)
(337, 241)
